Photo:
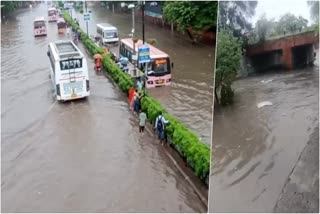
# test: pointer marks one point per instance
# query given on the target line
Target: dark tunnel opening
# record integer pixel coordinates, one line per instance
(267, 61)
(302, 56)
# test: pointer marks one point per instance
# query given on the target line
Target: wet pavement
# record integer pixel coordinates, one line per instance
(255, 150)
(80, 156)
(189, 98)
(301, 191)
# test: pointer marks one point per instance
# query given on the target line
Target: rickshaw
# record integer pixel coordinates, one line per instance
(62, 26)
(97, 62)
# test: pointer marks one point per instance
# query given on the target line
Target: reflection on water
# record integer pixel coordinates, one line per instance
(189, 98)
(82, 156)
(255, 149)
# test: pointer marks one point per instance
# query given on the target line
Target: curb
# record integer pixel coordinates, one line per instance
(186, 177)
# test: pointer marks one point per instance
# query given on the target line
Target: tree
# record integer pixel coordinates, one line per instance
(8, 6)
(228, 58)
(199, 15)
(263, 28)
(234, 15)
(289, 23)
(314, 10)
(60, 4)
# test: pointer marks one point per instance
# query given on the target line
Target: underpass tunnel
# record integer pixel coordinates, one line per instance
(302, 56)
(267, 61)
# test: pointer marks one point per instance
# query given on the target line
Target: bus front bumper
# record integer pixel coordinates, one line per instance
(78, 96)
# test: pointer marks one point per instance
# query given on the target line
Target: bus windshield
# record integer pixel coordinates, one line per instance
(110, 34)
(39, 24)
(160, 66)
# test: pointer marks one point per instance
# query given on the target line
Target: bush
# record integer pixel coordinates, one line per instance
(226, 95)
(191, 148)
(227, 64)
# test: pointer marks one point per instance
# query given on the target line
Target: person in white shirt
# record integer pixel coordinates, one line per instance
(142, 121)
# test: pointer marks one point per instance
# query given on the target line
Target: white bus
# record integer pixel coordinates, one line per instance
(69, 71)
(52, 14)
(108, 33)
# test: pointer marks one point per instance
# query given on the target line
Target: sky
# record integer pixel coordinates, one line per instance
(276, 8)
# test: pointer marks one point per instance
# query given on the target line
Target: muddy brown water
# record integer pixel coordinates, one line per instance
(189, 98)
(80, 156)
(255, 149)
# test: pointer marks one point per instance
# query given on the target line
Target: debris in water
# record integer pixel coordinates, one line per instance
(266, 81)
(264, 103)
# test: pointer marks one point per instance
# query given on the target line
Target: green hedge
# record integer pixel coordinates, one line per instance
(195, 152)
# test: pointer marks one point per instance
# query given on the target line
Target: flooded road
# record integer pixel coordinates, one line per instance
(256, 149)
(81, 156)
(189, 98)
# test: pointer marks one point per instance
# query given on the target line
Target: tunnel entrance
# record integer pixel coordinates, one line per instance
(267, 61)
(302, 56)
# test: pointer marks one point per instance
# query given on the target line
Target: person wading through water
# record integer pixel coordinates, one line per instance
(160, 127)
(131, 97)
(142, 121)
(136, 103)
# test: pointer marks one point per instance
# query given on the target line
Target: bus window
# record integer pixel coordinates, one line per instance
(130, 56)
(110, 34)
(160, 65)
(121, 49)
(39, 24)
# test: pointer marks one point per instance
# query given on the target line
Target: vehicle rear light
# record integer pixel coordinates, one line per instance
(58, 90)
(150, 82)
(88, 86)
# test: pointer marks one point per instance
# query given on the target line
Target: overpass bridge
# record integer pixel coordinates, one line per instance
(287, 52)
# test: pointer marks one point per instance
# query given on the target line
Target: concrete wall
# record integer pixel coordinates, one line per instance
(316, 52)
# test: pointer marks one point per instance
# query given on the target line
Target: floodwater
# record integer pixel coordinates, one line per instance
(189, 98)
(80, 156)
(256, 145)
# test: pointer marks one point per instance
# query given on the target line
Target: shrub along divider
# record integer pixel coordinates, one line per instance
(195, 152)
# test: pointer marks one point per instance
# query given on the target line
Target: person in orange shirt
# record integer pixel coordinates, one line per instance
(98, 64)
(132, 92)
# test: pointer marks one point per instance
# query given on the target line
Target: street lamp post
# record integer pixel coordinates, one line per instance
(132, 6)
(143, 3)
(86, 21)
(143, 40)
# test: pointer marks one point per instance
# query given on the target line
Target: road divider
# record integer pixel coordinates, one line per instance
(186, 143)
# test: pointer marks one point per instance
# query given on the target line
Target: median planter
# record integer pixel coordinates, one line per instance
(185, 142)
